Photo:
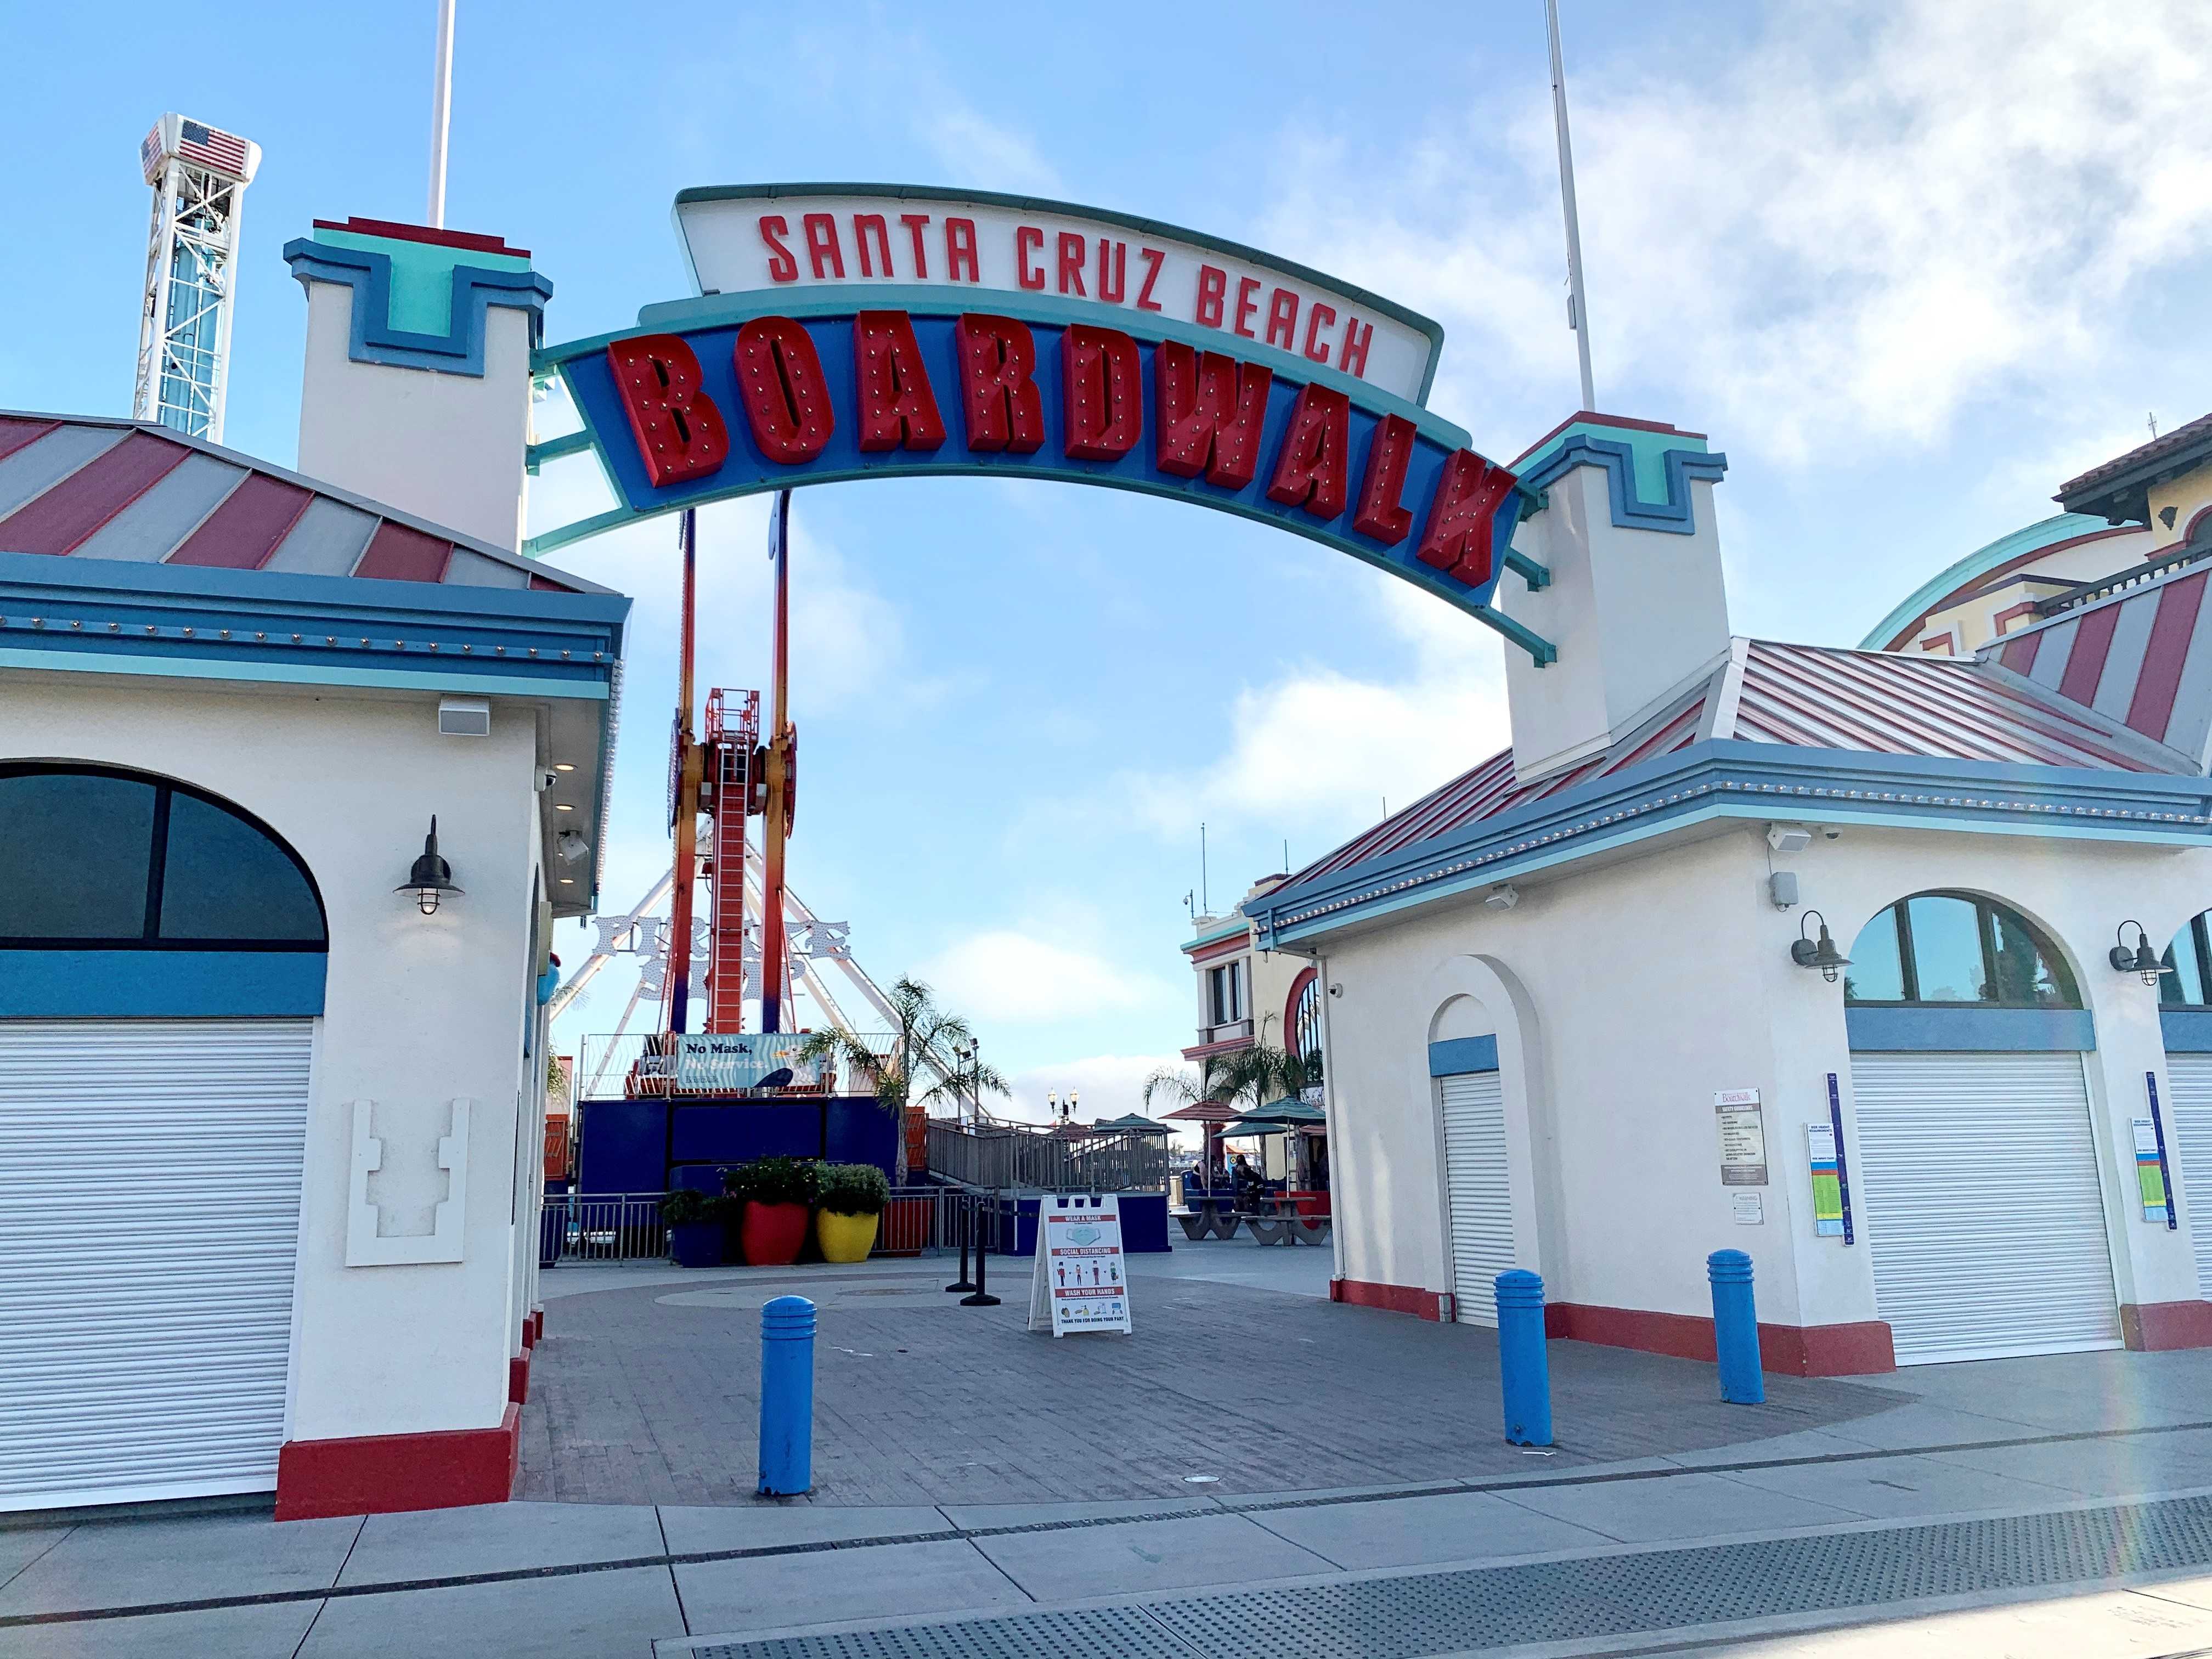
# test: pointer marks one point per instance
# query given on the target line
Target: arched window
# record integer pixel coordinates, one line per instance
(1305, 1026)
(97, 859)
(1944, 949)
(2188, 976)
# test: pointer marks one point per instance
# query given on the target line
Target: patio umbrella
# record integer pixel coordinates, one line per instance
(1212, 1115)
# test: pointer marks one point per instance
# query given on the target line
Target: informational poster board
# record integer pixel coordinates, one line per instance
(1082, 1279)
(1743, 1137)
(1827, 1181)
(2150, 1171)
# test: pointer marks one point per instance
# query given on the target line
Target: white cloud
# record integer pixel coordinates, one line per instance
(848, 642)
(1320, 748)
(1109, 1086)
(972, 148)
(1871, 216)
(1005, 975)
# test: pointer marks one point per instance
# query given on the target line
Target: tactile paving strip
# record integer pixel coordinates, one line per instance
(1423, 1614)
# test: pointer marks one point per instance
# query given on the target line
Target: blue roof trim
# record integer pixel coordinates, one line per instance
(460, 350)
(1752, 781)
(340, 630)
(2030, 538)
(1630, 511)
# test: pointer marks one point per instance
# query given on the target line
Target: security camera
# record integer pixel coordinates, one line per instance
(1336, 990)
(1830, 833)
(546, 780)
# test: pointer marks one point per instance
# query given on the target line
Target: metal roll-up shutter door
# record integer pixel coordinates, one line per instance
(149, 1210)
(1983, 1211)
(2189, 1140)
(1480, 1193)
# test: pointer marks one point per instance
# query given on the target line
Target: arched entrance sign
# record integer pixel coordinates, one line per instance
(847, 331)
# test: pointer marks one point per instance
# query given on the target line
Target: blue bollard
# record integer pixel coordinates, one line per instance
(1735, 1327)
(1524, 1371)
(787, 1414)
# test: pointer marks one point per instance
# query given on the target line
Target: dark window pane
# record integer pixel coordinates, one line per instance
(1877, 972)
(2027, 974)
(1946, 949)
(2182, 985)
(73, 856)
(225, 879)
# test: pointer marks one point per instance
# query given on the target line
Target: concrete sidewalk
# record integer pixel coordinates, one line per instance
(548, 1580)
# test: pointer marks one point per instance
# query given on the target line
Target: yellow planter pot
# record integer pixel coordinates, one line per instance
(844, 1238)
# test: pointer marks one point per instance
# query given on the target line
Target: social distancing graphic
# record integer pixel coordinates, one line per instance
(1081, 1282)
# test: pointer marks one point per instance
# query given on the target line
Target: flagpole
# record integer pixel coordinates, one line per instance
(441, 105)
(1577, 306)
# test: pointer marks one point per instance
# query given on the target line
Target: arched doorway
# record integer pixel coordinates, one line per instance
(1985, 1214)
(1478, 1173)
(161, 958)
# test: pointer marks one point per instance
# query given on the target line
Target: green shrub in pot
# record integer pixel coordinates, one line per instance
(775, 1180)
(685, 1207)
(854, 1189)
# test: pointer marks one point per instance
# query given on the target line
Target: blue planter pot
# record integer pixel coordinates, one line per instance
(696, 1245)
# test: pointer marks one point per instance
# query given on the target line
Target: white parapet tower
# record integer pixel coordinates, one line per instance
(199, 174)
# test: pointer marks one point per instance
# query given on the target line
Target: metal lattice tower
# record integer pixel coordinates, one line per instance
(199, 174)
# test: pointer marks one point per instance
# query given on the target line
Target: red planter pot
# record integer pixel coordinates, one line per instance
(774, 1234)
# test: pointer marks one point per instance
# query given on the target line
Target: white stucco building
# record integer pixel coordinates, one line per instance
(1567, 1029)
(271, 1114)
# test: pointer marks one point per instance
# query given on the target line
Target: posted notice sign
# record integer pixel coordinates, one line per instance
(1082, 1282)
(1743, 1137)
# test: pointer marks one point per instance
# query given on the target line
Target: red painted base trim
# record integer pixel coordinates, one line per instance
(537, 1325)
(518, 1378)
(1856, 1350)
(1395, 1298)
(529, 1333)
(385, 1474)
(2157, 1326)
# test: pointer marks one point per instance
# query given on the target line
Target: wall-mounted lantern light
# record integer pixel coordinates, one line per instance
(431, 879)
(2142, 960)
(1823, 954)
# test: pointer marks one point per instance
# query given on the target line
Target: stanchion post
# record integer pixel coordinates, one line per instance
(787, 1399)
(983, 1298)
(1735, 1327)
(1524, 1372)
(966, 1226)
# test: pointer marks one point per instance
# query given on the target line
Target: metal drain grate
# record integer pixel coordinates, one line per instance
(1115, 1633)
(1614, 1596)
(1423, 1614)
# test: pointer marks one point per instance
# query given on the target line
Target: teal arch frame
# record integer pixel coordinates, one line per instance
(580, 364)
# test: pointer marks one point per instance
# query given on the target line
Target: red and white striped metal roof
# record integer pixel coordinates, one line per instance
(2141, 655)
(137, 492)
(1816, 697)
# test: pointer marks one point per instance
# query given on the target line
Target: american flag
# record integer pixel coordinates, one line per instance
(199, 145)
(210, 147)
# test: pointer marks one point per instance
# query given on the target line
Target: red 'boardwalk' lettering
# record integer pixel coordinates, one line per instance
(1209, 410)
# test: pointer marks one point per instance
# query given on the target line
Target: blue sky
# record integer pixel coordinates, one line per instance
(1909, 265)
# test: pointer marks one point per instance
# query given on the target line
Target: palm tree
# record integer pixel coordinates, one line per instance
(1258, 1075)
(925, 1036)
